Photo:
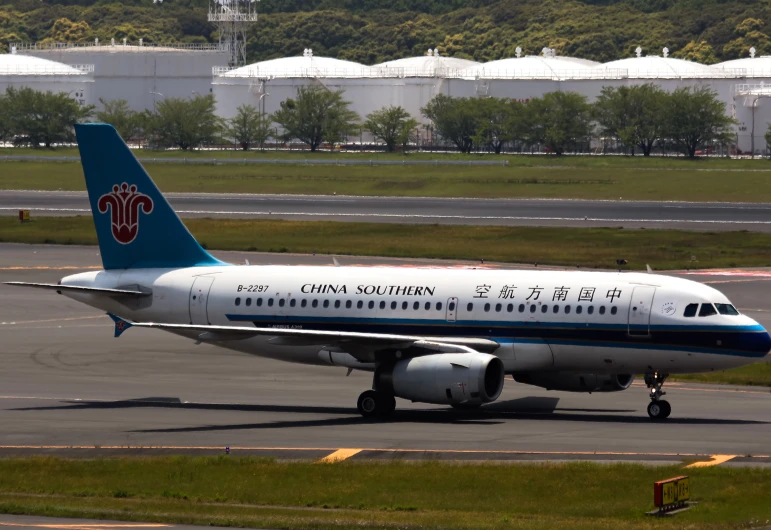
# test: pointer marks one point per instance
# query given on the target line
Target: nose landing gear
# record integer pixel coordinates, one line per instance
(658, 409)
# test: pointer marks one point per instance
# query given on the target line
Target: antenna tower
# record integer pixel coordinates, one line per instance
(233, 18)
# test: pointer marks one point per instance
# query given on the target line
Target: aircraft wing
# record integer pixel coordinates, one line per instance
(360, 345)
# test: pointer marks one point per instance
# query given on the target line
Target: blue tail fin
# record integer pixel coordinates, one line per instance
(135, 225)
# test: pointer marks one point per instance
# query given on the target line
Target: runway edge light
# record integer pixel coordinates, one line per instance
(671, 496)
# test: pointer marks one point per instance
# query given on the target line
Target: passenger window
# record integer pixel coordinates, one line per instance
(302, 304)
(248, 302)
(613, 310)
(238, 301)
(326, 304)
(348, 304)
(470, 307)
(428, 306)
(579, 309)
(416, 306)
(498, 308)
(451, 307)
(556, 309)
(371, 304)
(521, 308)
(544, 308)
(382, 304)
(590, 309)
(393, 305)
(726, 309)
(690, 310)
(259, 302)
(707, 310)
(404, 306)
(270, 302)
(510, 308)
(602, 309)
(281, 303)
(292, 302)
(487, 308)
(359, 304)
(337, 304)
(439, 306)
(315, 303)
(567, 309)
(532, 308)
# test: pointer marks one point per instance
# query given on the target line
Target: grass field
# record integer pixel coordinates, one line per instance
(584, 247)
(758, 374)
(232, 491)
(584, 177)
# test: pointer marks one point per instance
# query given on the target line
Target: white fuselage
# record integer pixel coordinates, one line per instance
(595, 322)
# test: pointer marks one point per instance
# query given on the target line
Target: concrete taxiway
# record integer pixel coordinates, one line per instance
(67, 386)
(506, 212)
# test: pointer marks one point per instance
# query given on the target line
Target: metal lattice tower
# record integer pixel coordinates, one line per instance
(232, 18)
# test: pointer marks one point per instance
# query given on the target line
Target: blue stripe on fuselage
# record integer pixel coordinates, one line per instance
(747, 341)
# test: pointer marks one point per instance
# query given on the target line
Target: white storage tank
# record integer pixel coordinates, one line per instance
(43, 75)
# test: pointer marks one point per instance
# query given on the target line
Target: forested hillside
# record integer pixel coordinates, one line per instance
(371, 31)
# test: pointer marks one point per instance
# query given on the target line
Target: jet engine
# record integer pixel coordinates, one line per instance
(445, 378)
(571, 382)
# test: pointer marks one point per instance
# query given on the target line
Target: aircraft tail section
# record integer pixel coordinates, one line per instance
(135, 225)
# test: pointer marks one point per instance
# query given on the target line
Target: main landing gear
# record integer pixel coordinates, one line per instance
(658, 409)
(374, 404)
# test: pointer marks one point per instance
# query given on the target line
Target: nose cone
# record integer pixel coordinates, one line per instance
(758, 342)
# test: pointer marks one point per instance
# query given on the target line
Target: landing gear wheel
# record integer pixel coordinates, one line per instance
(373, 404)
(659, 410)
(367, 404)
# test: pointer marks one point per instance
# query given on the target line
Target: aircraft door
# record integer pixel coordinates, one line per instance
(640, 311)
(452, 309)
(199, 299)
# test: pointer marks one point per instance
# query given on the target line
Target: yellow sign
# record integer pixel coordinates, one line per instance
(676, 491)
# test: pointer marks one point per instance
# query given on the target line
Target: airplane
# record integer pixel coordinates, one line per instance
(440, 336)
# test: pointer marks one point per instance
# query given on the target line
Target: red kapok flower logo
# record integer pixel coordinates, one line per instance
(124, 203)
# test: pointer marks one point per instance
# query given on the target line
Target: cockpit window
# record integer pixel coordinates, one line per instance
(707, 310)
(726, 309)
(690, 310)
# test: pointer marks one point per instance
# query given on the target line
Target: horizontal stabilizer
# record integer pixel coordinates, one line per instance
(77, 288)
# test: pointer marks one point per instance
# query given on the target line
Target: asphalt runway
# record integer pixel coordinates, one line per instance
(67, 386)
(506, 212)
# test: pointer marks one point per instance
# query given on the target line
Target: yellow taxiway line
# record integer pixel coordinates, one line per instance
(716, 460)
(340, 455)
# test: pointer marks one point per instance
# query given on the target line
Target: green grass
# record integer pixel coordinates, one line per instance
(585, 247)
(263, 493)
(758, 374)
(587, 177)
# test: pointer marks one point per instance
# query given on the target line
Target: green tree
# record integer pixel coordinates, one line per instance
(117, 113)
(454, 119)
(633, 114)
(249, 127)
(183, 123)
(5, 119)
(316, 115)
(694, 117)
(497, 122)
(557, 120)
(392, 125)
(45, 118)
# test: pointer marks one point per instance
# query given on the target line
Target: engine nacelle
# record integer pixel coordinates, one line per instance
(571, 382)
(445, 378)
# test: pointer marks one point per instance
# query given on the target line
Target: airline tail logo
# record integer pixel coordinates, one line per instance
(124, 203)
